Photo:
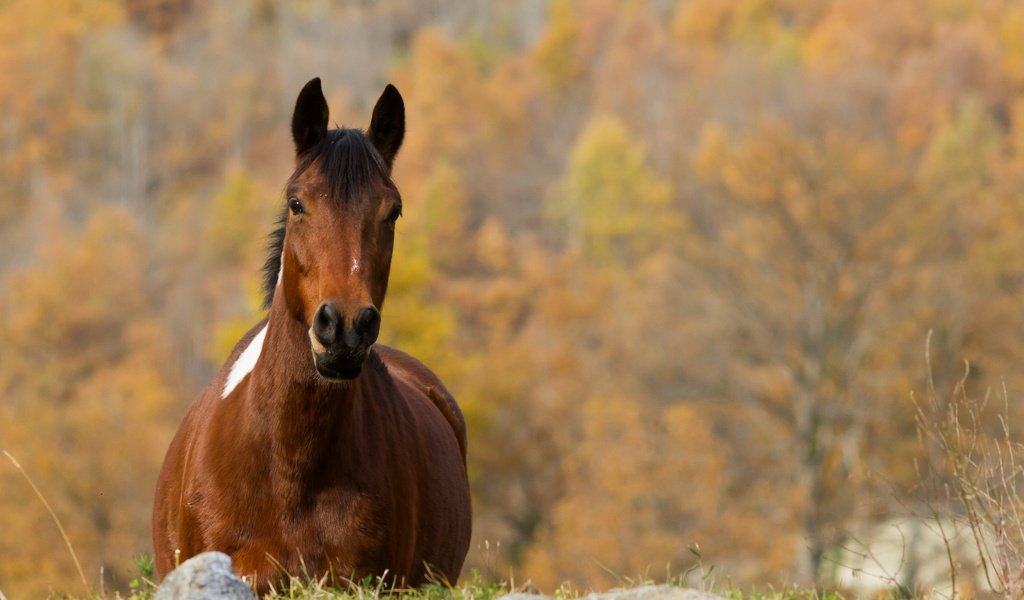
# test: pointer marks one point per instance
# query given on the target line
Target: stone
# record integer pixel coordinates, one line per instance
(206, 576)
(654, 592)
(523, 596)
(645, 592)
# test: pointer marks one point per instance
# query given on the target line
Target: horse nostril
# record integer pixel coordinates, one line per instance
(367, 324)
(326, 323)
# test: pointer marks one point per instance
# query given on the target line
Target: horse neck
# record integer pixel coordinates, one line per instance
(300, 412)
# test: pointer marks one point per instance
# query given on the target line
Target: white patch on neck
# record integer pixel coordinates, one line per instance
(280, 272)
(355, 266)
(245, 363)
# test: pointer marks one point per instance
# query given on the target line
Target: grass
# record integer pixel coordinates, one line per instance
(981, 472)
(473, 587)
(53, 515)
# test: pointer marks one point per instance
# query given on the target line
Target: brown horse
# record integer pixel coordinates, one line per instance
(314, 450)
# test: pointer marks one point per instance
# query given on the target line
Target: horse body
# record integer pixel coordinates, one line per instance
(291, 468)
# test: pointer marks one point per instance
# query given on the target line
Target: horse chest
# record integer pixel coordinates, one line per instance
(339, 530)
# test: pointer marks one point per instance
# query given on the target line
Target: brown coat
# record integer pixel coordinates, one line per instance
(293, 477)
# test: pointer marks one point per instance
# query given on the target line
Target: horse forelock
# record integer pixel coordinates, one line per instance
(350, 166)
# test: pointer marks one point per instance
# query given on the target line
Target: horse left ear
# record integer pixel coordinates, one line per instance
(387, 125)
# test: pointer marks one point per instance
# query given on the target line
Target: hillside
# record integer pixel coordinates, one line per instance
(678, 261)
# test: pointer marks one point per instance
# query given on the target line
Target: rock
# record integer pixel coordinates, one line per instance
(646, 592)
(206, 576)
(654, 592)
(523, 596)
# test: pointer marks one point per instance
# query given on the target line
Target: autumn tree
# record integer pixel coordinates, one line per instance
(818, 262)
(575, 331)
(88, 383)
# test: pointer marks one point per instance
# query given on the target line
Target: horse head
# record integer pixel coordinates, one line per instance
(339, 229)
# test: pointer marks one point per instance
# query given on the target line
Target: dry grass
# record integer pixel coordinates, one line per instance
(53, 515)
(976, 464)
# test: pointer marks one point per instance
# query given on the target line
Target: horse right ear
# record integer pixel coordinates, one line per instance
(309, 122)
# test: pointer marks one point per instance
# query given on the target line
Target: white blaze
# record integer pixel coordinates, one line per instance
(245, 363)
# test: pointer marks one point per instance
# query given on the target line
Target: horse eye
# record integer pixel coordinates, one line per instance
(295, 206)
(394, 214)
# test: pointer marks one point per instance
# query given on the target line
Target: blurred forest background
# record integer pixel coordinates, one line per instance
(677, 260)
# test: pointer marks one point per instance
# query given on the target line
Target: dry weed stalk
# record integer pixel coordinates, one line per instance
(983, 478)
(53, 515)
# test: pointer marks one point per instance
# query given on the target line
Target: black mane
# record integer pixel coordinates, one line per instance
(350, 165)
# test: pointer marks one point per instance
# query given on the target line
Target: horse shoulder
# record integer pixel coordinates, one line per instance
(411, 371)
(176, 483)
(203, 406)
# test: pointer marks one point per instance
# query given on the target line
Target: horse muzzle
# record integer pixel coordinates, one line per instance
(340, 348)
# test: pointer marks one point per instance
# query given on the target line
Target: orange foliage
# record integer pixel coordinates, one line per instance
(676, 262)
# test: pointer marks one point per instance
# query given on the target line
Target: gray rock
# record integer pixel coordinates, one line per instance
(206, 576)
(523, 596)
(645, 592)
(654, 592)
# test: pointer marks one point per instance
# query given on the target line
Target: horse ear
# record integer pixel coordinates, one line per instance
(309, 122)
(387, 125)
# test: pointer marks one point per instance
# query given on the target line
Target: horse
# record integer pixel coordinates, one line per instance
(316, 451)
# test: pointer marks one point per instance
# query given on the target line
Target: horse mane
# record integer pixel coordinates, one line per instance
(349, 164)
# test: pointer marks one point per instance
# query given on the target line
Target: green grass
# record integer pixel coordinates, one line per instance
(473, 587)
(144, 588)
(299, 589)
